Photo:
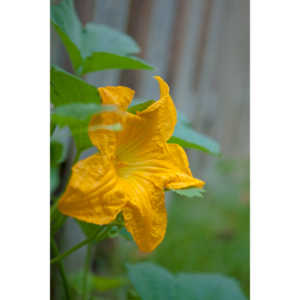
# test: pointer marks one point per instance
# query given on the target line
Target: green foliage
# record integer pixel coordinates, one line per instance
(89, 229)
(56, 152)
(75, 101)
(67, 89)
(192, 192)
(207, 286)
(151, 282)
(56, 157)
(187, 137)
(155, 283)
(93, 47)
(103, 61)
(96, 283)
(139, 106)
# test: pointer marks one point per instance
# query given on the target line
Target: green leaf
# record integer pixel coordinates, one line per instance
(187, 137)
(101, 38)
(207, 287)
(155, 283)
(151, 282)
(67, 88)
(140, 106)
(56, 152)
(60, 136)
(52, 128)
(103, 61)
(192, 192)
(69, 28)
(93, 47)
(88, 229)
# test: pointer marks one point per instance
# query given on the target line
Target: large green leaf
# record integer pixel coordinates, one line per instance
(155, 283)
(68, 27)
(151, 282)
(67, 88)
(206, 287)
(93, 47)
(101, 38)
(102, 61)
(187, 137)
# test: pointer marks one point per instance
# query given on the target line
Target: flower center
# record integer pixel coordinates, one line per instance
(123, 168)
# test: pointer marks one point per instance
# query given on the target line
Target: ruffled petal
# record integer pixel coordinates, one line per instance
(117, 95)
(180, 175)
(145, 214)
(94, 193)
(161, 114)
(101, 135)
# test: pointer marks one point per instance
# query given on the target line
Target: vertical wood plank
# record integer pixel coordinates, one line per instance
(138, 27)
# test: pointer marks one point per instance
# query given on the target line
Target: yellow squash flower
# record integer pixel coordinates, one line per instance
(132, 168)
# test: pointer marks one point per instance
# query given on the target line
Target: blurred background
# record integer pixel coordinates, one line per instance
(201, 48)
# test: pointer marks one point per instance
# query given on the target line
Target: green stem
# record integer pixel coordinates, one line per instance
(61, 270)
(56, 219)
(86, 272)
(100, 236)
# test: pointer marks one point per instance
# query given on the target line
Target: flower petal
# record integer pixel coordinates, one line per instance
(118, 95)
(162, 113)
(94, 193)
(145, 214)
(180, 175)
(100, 134)
(137, 140)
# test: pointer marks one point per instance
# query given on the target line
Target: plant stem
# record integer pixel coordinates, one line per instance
(100, 235)
(85, 276)
(61, 270)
